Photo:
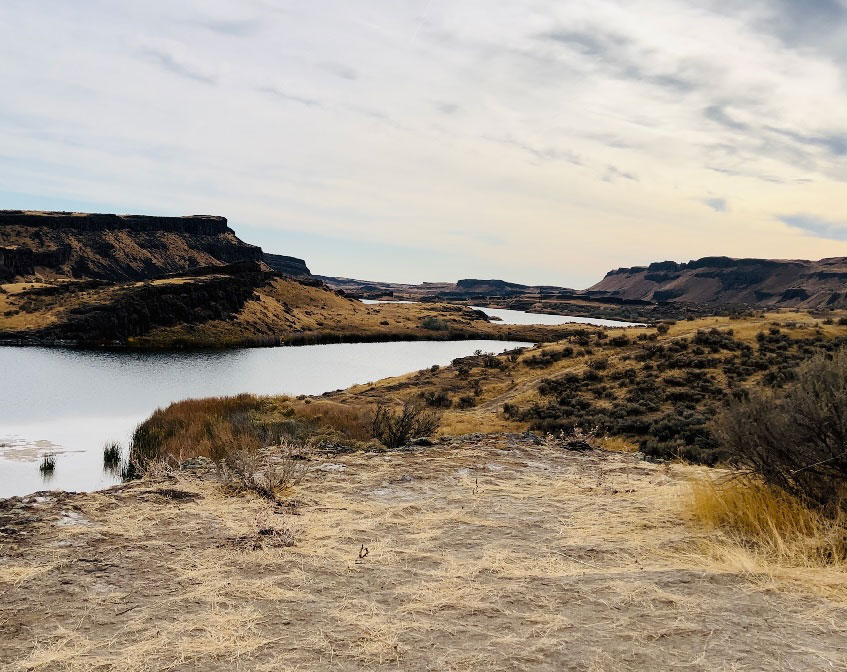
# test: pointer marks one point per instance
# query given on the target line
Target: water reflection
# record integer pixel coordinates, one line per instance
(69, 403)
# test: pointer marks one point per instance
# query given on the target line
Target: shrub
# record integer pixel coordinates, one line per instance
(548, 357)
(112, 457)
(511, 411)
(396, 428)
(466, 401)
(436, 399)
(48, 464)
(433, 323)
(243, 465)
(796, 441)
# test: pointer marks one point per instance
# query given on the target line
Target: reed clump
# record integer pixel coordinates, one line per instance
(219, 426)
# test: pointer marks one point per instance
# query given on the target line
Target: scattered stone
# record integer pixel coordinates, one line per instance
(73, 519)
(179, 495)
(405, 478)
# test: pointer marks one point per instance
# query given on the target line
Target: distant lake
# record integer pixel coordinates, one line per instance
(523, 317)
(70, 402)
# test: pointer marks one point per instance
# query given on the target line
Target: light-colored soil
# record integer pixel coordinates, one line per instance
(481, 553)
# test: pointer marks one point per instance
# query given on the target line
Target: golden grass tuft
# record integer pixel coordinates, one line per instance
(771, 522)
(616, 444)
(352, 421)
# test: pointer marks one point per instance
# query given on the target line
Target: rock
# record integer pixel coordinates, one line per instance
(579, 446)
(115, 247)
(331, 467)
(291, 266)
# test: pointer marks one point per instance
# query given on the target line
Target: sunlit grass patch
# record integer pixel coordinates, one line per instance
(770, 522)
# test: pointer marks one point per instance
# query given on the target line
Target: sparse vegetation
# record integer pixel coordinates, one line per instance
(395, 428)
(795, 439)
(775, 523)
(47, 465)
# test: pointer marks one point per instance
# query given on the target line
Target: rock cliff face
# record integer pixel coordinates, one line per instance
(287, 265)
(759, 282)
(118, 248)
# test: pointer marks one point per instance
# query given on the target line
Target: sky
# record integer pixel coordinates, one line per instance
(543, 142)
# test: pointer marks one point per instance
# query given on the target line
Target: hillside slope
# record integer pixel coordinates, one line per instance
(761, 282)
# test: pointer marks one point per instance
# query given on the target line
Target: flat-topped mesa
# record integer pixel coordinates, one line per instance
(287, 265)
(206, 225)
(118, 248)
(794, 283)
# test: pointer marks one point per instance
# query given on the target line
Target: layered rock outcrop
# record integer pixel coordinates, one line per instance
(117, 248)
(756, 282)
(291, 266)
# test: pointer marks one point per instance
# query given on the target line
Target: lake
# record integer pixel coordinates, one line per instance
(70, 402)
(522, 317)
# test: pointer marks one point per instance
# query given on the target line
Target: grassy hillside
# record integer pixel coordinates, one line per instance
(646, 389)
(235, 305)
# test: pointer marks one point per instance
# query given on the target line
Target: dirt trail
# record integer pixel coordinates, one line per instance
(487, 553)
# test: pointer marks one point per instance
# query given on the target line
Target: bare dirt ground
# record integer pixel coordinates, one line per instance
(480, 553)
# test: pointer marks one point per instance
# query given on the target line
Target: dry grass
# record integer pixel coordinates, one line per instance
(354, 422)
(497, 554)
(216, 426)
(616, 444)
(778, 525)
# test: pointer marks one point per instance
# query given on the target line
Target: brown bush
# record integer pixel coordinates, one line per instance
(395, 428)
(796, 440)
(243, 464)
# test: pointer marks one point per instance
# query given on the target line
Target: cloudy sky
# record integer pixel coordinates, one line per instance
(537, 141)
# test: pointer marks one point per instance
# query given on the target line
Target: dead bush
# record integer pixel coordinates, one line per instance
(395, 428)
(243, 464)
(797, 439)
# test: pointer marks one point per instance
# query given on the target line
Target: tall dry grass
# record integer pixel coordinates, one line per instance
(218, 426)
(354, 422)
(770, 522)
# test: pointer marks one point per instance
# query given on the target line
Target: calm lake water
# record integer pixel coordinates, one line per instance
(70, 402)
(522, 317)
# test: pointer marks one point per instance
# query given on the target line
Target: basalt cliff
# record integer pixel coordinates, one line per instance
(764, 283)
(51, 245)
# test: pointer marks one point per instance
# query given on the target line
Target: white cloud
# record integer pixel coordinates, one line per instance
(580, 136)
